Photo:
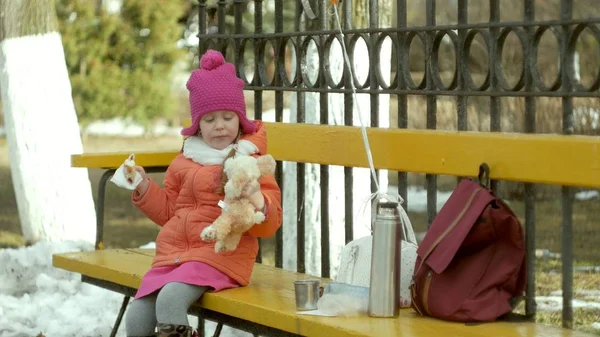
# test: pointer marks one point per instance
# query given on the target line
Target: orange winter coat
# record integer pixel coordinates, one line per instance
(188, 203)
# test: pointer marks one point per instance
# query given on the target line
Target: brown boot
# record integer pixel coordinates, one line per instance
(175, 330)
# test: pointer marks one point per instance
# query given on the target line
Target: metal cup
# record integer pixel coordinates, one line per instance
(307, 294)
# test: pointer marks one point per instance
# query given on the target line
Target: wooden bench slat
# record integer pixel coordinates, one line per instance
(550, 159)
(112, 160)
(269, 300)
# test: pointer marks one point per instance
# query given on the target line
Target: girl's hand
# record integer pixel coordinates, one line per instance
(142, 187)
(254, 195)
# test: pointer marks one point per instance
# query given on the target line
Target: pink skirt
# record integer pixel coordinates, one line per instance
(195, 273)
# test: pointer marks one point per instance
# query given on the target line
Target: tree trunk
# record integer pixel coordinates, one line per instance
(54, 200)
(386, 10)
(362, 179)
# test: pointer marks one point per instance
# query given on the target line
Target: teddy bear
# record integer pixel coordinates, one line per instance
(238, 214)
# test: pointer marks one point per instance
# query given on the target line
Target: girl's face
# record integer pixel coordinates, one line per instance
(219, 128)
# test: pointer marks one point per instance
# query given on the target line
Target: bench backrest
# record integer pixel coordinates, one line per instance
(550, 159)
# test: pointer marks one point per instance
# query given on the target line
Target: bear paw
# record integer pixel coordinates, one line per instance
(259, 217)
(209, 234)
(220, 247)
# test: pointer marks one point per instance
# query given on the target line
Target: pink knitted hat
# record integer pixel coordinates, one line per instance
(213, 87)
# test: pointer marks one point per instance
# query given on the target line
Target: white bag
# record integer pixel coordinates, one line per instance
(355, 260)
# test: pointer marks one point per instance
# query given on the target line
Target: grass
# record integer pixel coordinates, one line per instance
(126, 226)
(549, 280)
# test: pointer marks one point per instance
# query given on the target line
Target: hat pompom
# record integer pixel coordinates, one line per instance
(212, 59)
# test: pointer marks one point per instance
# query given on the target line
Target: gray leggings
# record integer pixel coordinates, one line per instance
(169, 306)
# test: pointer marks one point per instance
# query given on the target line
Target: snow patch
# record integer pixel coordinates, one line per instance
(587, 195)
(554, 303)
(37, 298)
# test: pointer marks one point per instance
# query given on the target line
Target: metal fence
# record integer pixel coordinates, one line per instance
(312, 22)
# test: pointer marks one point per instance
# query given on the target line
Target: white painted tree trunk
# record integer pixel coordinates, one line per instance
(54, 200)
(362, 179)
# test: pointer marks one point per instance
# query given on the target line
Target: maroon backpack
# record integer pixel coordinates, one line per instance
(471, 263)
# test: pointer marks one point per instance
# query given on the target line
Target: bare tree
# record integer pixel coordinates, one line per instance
(54, 200)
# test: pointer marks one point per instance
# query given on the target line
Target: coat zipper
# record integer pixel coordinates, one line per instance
(184, 222)
(187, 244)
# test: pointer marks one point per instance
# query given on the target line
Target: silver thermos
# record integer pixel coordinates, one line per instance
(384, 289)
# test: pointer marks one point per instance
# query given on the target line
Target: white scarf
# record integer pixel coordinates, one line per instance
(196, 149)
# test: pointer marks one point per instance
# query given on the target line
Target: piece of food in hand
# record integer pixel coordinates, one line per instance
(129, 166)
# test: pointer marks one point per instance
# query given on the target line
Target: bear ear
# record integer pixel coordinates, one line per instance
(267, 165)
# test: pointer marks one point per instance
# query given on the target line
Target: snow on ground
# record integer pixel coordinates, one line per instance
(587, 195)
(38, 298)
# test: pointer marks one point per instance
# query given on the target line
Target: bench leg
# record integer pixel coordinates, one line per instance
(200, 327)
(220, 327)
(100, 207)
(113, 333)
(218, 330)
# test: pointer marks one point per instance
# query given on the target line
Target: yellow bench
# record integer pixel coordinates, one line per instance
(266, 306)
(268, 302)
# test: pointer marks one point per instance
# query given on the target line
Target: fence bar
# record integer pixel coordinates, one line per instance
(462, 101)
(348, 120)
(401, 21)
(566, 13)
(494, 58)
(279, 68)
(494, 61)
(201, 25)
(324, 169)
(567, 257)
(238, 11)
(221, 8)
(530, 192)
(300, 167)
(259, 45)
(431, 109)
(462, 64)
(373, 60)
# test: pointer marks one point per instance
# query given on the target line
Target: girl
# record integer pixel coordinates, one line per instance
(185, 266)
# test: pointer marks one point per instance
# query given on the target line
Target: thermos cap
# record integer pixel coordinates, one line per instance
(388, 204)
